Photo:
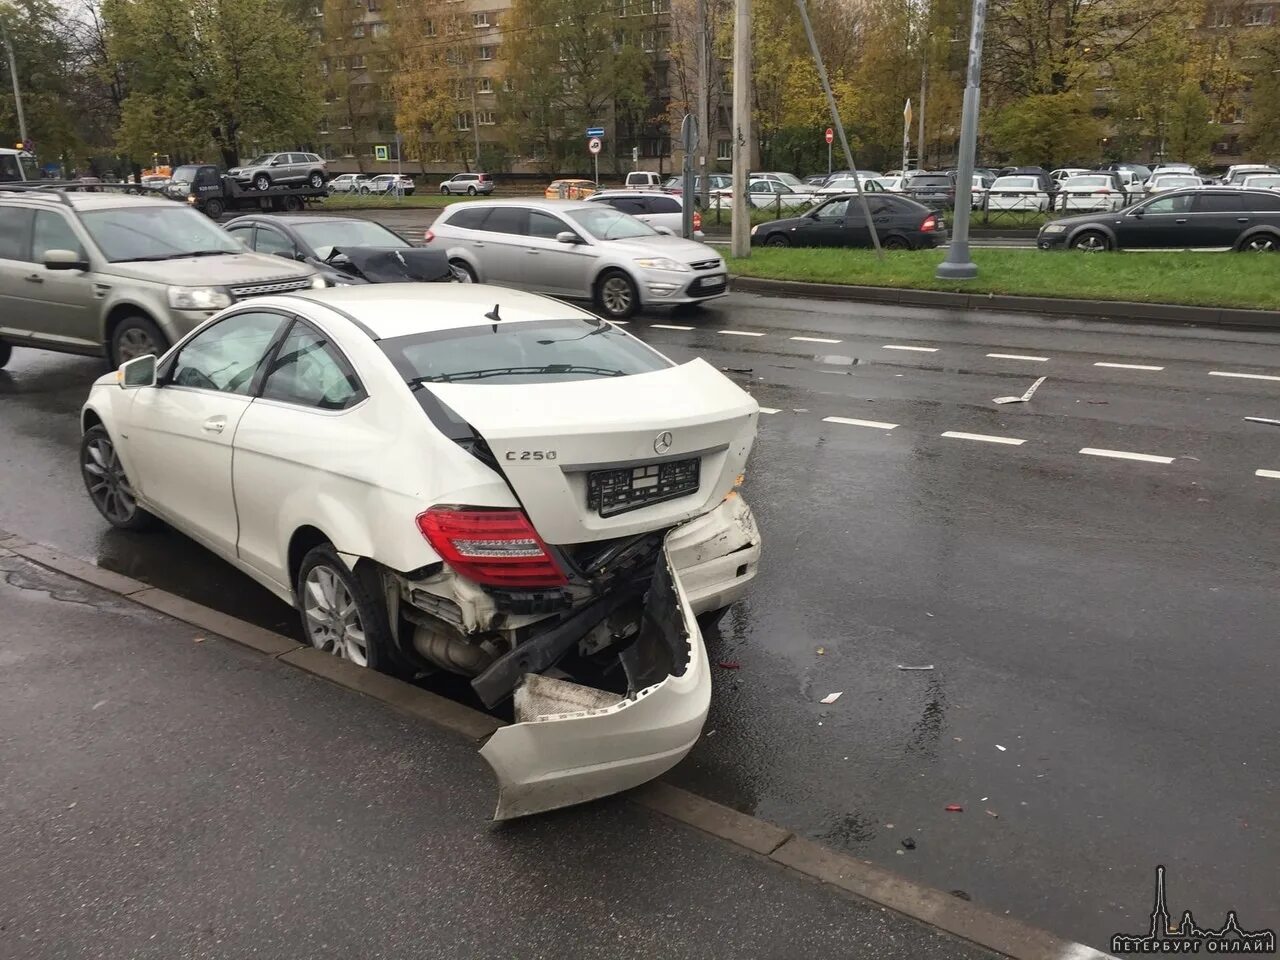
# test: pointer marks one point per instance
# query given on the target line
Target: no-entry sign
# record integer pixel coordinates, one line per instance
(831, 135)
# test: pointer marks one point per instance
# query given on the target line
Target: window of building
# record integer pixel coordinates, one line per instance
(357, 62)
(484, 85)
(1237, 114)
(317, 11)
(324, 67)
(1259, 16)
(357, 31)
(324, 125)
(480, 19)
(485, 118)
(506, 86)
(372, 5)
(462, 121)
(339, 63)
(429, 28)
(724, 149)
(315, 36)
(486, 53)
(649, 40)
(1221, 18)
(348, 150)
(380, 29)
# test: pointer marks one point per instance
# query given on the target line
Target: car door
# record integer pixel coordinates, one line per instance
(294, 438)
(297, 167)
(270, 240)
(561, 268)
(824, 226)
(181, 431)
(63, 303)
(1217, 219)
(15, 266)
(503, 248)
(1162, 223)
(664, 212)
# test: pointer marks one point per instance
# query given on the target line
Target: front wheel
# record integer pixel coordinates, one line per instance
(261, 182)
(1091, 241)
(444, 191)
(462, 272)
(343, 613)
(777, 240)
(108, 485)
(617, 296)
(136, 337)
(213, 208)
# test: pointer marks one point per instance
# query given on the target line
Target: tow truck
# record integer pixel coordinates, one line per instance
(205, 187)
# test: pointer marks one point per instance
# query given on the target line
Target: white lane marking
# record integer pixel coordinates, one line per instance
(1017, 356)
(957, 435)
(1242, 376)
(1078, 951)
(814, 340)
(768, 409)
(1273, 474)
(669, 326)
(1274, 423)
(740, 333)
(874, 424)
(1125, 455)
(1128, 366)
(621, 323)
(899, 346)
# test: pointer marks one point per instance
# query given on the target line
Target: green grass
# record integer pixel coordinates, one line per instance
(1199, 279)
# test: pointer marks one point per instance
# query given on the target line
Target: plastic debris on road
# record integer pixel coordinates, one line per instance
(1274, 423)
(1025, 397)
(1000, 748)
(954, 808)
(992, 813)
(729, 665)
(831, 697)
(904, 667)
(909, 843)
(822, 651)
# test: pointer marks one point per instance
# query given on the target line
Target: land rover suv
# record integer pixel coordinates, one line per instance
(120, 276)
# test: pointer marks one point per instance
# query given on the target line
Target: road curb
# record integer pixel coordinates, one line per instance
(949, 914)
(1123, 311)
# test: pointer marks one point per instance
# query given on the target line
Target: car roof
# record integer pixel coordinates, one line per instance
(293, 218)
(403, 309)
(538, 203)
(86, 201)
(609, 194)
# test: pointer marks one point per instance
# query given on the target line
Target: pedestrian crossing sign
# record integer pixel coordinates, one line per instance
(380, 152)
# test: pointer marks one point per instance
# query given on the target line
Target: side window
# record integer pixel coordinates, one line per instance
(52, 232)
(1217, 203)
(632, 205)
(309, 372)
(545, 226)
(469, 219)
(835, 210)
(1167, 205)
(227, 355)
(273, 241)
(1263, 202)
(15, 233)
(509, 220)
(297, 158)
(664, 205)
(244, 233)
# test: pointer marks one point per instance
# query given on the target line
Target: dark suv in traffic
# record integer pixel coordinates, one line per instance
(934, 190)
(1189, 219)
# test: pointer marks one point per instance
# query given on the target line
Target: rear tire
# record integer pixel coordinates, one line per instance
(214, 209)
(776, 240)
(471, 191)
(292, 204)
(463, 269)
(136, 336)
(1259, 243)
(316, 179)
(344, 613)
(261, 182)
(896, 243)
(616, 295)
(107, 483)
(1091, 241)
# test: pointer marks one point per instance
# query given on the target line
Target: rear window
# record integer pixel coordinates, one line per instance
(1262, 202)
(925, 181)
(1017, 183)
(541, 351)
(1088, 182)
(10, 170)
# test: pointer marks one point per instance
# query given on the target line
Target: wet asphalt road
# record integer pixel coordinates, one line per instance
(1108, 622)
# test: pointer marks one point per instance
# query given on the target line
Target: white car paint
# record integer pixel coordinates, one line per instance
(1016, 193)
(1090, 191)
(243, 474)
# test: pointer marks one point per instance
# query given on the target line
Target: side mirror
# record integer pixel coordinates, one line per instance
(138, 372)
(275, 163)
(1139, 212)
(286, 254)
(567, 236)
(65, 260)
(665, 231)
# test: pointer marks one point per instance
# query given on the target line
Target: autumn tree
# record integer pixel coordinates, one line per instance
(1046, 129)
(38, 32)
(350, 64)
(220, 74)
(434, 81)
(1262, 132)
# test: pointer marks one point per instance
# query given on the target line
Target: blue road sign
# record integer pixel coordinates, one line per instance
(595, 131)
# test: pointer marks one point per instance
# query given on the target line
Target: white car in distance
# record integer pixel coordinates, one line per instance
(1017, 193)
(459, 478)
(1096, 191)
(1261, 181)
(1160, 182)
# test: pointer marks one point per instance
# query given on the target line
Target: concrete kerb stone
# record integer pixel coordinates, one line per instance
(871, 883)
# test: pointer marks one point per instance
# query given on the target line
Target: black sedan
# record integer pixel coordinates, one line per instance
(344, 250)
(901, 223)
(1196, 218)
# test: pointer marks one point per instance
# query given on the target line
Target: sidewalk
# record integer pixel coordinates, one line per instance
(170, 794)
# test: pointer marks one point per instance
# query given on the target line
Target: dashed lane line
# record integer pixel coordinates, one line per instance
(985, 438)
(1127, 366)
(813, 339)
(1242, 376)
(873, 424)
(1272, 474)
(1017, 356)
(669, 326)
(1126, 455)
(741, 333)
(900, 346)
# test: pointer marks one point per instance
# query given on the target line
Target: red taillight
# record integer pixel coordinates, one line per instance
(498, 548)
(429, 236)
(930, 224)
(697, 220)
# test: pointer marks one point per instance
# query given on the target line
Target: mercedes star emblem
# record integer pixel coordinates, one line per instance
(662, 442)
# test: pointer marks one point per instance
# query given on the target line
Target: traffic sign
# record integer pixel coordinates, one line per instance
(380, 152)
(595, 132)
(594, 145)
(831, 135)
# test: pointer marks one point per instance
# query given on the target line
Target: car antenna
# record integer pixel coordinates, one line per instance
(493, 315)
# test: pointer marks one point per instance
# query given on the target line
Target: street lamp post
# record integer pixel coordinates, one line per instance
(17, 91)
(959, 263)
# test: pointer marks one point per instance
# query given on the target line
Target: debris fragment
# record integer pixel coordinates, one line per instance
(909, 843)
(831, 697)
(954, 808)
(1099, 402)
(736, 369)
(900, 853)
(821, 651)
(905, 667)
(199, 640)
(960, 894)
(992, 813)
(928, 614)
(1025, 397)
(729, 665)
(888, 826)
(1274, 423)
(984, 799)
(1000, 748)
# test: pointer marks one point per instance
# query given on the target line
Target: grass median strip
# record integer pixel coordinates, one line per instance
(1196, 279)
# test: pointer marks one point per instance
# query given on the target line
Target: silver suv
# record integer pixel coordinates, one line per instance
(120, 276)
(282, 169)
(579, 250)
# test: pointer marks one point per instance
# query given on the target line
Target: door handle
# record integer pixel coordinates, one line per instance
(215, 425)
(1242, 219)
(34, 278)
(1181, 220)
(533, 253)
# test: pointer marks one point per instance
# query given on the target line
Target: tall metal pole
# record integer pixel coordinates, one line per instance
(703, 99)
(17, 91)
(835, 118)
(924, 74)
(906, 137)
(740, 237)
(959, 264)
(475, 118)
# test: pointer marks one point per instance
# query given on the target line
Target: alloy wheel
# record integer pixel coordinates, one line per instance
(135, 342)
(1091, 244)
(108, 485)
(1262, 245)
(616, 296)
(332, 619)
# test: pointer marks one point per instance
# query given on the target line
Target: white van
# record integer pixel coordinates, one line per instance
(643, 180)
(12, 169)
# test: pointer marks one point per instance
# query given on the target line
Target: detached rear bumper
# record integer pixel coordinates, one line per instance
(574, 743)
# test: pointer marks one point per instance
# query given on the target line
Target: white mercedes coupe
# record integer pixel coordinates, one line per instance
(460, 478)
